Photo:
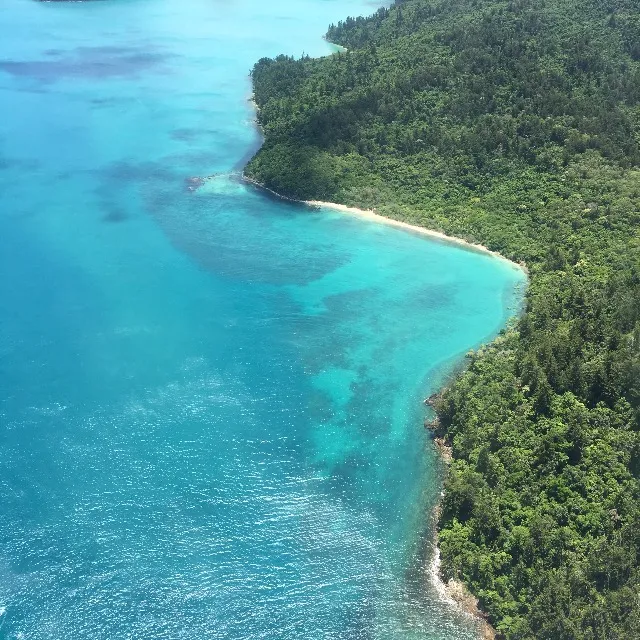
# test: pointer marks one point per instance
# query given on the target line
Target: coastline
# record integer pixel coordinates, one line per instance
(453, 592)
(371, 216)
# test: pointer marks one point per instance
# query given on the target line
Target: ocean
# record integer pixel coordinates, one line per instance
(210, 399)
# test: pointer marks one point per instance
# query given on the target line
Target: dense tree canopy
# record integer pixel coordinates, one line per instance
(514, 123)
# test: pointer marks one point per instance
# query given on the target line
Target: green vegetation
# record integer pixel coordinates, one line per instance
(514, 123)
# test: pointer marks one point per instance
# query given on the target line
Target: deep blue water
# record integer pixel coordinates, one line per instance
(210, 416)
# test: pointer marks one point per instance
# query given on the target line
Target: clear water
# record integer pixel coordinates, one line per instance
(209, 400)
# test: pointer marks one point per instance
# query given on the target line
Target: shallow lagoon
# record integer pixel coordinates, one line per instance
(210, 415)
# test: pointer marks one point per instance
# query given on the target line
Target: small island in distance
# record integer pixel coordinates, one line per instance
(514, 124)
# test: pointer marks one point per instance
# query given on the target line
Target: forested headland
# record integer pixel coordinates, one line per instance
(515, 124)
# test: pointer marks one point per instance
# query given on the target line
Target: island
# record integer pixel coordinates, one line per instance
(514, 124)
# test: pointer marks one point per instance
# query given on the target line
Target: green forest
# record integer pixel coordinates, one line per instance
(515, 124)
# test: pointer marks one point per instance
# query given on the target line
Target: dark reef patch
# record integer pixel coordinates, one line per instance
(66, 0)
(114, 215)
(110, 101)
(86, 62)
(185, 134)
(138, 172)
(19, 164)
(134, 178)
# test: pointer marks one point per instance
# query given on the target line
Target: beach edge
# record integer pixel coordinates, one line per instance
(371, 215)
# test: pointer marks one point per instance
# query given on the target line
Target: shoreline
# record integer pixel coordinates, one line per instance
(371, 216)
(453, 593)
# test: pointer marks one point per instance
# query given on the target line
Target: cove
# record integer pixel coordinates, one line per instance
(210, 400)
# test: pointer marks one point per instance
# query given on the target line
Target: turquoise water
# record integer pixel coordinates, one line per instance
(210, 416)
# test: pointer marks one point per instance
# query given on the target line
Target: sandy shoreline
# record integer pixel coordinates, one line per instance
(372, 216)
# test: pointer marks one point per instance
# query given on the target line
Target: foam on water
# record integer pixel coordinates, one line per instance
(210, 416)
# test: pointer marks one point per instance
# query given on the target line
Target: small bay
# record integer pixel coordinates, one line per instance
(210, 399)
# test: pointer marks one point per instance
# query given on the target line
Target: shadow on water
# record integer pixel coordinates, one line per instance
(251, 150)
